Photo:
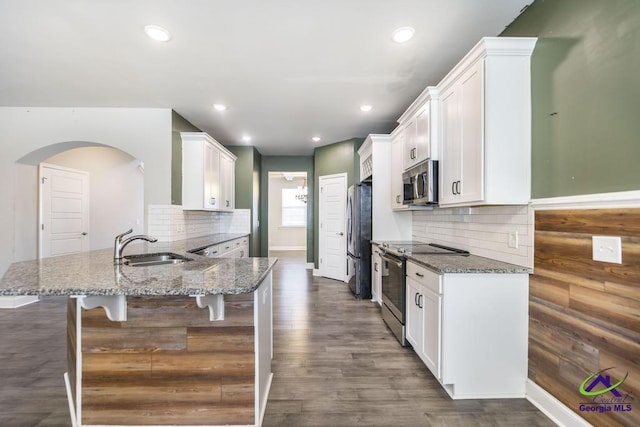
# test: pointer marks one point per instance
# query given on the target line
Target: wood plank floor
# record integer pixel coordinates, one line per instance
(335, 364)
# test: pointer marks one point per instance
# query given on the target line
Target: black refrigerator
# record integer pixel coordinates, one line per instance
(359, 239)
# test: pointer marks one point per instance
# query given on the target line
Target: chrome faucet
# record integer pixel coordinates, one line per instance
(120, 244)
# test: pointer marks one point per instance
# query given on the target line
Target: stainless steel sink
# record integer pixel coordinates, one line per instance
(159, 258)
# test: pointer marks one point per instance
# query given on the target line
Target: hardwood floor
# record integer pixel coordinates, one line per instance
(335, 364)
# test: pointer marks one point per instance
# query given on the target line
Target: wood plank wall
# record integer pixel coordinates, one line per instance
(585, 315)
(168, 364)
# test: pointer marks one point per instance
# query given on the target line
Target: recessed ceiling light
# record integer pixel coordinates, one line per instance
(403, 34)
(246, 138)
(365, 108)
(157, 33)
(316, 139)
(219, 107)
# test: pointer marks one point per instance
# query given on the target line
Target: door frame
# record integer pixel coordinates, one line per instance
(321, 242)
(41, 166)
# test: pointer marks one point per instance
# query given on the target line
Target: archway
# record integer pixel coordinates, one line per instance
(117, 192)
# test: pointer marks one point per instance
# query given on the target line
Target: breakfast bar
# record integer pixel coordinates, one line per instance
(186, 341)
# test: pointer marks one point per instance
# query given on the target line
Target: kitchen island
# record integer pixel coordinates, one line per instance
(175, 344)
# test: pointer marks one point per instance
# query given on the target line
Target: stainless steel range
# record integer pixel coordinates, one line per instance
(394, 281)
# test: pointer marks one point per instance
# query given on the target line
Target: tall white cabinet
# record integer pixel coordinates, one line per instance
(386, 224)
(485, 124)
(208, 173)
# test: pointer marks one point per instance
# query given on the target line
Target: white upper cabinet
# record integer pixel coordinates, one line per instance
(365, 154)
(418, 127)
(485, 125)
(208, 173)
(227, 181)
(397, 186)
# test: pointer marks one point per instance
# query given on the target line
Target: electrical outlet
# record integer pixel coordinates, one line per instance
(607, 249)
(513, 239)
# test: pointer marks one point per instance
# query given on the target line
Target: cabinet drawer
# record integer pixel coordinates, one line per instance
(427, 278)
(226, 247)
(212, 251)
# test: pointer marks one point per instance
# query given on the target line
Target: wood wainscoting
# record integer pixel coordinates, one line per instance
(167, 364)
(585, 315)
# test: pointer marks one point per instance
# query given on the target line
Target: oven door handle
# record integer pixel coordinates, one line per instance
(392, 261)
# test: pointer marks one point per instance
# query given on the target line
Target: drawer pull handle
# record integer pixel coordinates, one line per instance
(419, 274)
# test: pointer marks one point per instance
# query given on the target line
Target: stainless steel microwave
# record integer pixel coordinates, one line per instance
(420, 184)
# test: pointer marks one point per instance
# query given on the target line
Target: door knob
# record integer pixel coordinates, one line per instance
(340, 233)
(84, 233)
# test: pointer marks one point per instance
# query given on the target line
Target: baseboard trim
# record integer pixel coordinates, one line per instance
(316, 272)
(622, 199)
(557, 411)
(17, 301)
(310, 266)
(287, 248)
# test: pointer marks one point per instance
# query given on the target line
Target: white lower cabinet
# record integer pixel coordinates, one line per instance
(376, 274)
(470, 330)
(236, 248)
(424, 304)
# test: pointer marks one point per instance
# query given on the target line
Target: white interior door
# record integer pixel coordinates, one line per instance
(64, 211)
(333, 241)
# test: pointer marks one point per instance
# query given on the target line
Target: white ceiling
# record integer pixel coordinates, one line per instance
(286, 69)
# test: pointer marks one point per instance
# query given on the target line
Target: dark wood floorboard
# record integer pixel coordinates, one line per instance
(335, 364)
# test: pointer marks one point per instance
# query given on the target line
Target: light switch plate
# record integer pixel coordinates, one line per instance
(607, 249)
(513, 239)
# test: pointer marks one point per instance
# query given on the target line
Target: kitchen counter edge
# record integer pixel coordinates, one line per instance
(461, 264)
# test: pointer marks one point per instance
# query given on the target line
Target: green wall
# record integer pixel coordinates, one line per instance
(330, 159)
(178, 124)
(247, 189)
(585, 95)
(287, 164)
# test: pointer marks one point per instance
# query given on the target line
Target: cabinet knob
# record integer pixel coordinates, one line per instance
(212, 201)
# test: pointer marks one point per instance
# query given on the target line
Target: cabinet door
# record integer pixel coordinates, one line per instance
(376, 274)
(410, 151)
(227, 172)
(472, 152)
(414, 315)
(211, 177)
(243, 251)
(450, 154)
(396, 173)
(423, 134)
(431, 333)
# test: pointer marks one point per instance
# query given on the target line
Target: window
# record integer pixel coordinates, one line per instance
(294, 210)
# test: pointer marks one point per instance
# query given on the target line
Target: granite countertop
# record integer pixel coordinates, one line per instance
(461, 264)
(93, 273)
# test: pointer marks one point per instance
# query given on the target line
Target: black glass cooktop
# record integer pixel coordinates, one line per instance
(412, 248)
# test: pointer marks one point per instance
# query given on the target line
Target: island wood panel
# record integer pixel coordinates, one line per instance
(71, 346)
(584, 314)
(168, 364)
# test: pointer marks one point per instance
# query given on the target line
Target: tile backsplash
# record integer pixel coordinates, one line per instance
(170, 222)
(483, 231)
